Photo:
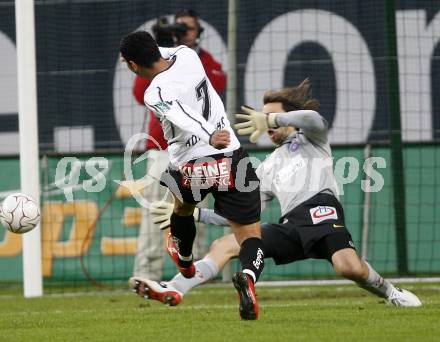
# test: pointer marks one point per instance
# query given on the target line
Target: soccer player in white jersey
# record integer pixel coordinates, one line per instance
(205, 157)
(312, 224)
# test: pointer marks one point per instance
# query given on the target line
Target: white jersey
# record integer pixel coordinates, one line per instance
(302, 166)
(187, 106)
(298, 169)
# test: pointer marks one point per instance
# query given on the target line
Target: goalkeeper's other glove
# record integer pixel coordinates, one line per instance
(255, 123)
(162, 211)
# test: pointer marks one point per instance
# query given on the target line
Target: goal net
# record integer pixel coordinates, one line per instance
(87, 115)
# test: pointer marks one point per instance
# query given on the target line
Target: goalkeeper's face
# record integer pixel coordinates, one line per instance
(277, 135)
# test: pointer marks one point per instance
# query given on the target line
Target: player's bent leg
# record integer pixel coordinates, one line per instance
(185, 265)
(182, 236)
(348, 264)
(221, 251)
(172, 292)
(245, 231)
(150, 289)
(394, 295)
(251, 257)
(183, 208)
(251, 254)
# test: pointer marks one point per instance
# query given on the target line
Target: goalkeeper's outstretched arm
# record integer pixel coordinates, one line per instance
(308, 120)
(208, 216)
(256, 123)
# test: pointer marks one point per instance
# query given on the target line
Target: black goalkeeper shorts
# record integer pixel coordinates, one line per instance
(229, 177)
(315, 229)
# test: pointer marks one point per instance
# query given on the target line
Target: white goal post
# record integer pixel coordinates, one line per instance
(28, 132)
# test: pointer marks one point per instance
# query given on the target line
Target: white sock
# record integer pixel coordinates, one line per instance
(251, 273)
(376, 284)
(205, 269)
(185, 258)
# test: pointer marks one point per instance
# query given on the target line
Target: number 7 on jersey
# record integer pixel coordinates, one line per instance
(202, 94)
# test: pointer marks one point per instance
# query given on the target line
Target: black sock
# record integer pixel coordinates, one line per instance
(252, 256)
(183, 229)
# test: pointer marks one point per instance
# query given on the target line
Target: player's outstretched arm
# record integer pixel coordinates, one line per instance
(308, 120)
(162, 211)
(256, 123)
(253, 123)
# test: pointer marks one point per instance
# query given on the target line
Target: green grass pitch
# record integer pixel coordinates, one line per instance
(325, 313)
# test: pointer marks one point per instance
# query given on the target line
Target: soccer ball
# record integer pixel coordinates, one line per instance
(19, 213)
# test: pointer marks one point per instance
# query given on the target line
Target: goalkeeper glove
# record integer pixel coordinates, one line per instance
(162, 211)
(255, 123)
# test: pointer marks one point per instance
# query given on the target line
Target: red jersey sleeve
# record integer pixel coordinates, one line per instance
(139, 86)
(213, 70)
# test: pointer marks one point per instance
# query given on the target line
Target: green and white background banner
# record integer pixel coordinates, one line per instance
(373, 68)
(73, 245)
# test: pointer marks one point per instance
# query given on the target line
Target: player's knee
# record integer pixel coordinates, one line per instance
(350, 269)
(245, 231)
(215, 245)
(226, 244)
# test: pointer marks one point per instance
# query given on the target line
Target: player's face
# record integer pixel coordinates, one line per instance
(277, 135)
(190, 38)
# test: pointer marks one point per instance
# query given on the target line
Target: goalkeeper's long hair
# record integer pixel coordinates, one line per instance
(293, 98)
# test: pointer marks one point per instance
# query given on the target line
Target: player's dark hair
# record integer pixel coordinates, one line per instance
(141, 48)
(293, 98)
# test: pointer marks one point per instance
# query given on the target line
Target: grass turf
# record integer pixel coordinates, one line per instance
(327, 313)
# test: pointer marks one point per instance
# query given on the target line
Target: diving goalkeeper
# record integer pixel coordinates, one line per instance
(299, 174)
